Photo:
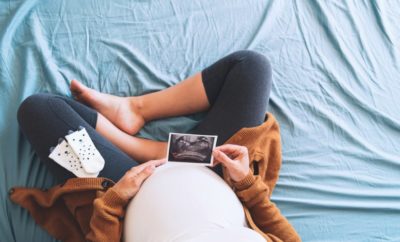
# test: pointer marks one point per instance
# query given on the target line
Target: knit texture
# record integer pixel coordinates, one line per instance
(89, 209)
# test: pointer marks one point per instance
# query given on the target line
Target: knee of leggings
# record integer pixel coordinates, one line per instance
(256, 63)
(32, 106)
(254, 58)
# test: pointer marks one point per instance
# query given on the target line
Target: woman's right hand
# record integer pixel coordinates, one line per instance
(235, 158)
(130, 183)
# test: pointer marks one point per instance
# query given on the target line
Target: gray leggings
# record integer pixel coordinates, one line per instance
(237, 87)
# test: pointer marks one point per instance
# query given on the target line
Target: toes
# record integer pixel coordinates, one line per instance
(73, 84)
(76, 95)
(76, 86)
(77, 89)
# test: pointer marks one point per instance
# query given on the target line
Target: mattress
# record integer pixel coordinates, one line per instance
(336, 82)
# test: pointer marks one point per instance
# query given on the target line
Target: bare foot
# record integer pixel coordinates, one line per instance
(123, 112)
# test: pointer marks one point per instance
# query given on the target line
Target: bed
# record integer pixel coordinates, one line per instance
(336, 81)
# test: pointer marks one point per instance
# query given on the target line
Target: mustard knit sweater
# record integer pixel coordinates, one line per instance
(89, 209)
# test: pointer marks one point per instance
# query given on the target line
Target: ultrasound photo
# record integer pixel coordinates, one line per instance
(191, 148)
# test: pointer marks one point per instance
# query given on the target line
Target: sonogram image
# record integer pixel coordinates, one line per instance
(191, 148)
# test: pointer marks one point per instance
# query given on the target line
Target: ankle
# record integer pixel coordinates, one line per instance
(138, 107)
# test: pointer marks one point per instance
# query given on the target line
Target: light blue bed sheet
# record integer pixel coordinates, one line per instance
(335, 93)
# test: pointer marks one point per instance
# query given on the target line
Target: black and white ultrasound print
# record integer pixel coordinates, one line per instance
(191, 148)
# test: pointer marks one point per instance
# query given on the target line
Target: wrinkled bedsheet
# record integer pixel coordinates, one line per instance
(335, 92)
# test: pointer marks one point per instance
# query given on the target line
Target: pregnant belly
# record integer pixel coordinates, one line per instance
(180, 202)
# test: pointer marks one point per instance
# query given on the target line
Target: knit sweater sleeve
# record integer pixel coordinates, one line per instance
(106, 221)
(253, 192)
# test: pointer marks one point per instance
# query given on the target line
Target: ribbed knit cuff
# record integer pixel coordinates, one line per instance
(112, 198)
(246, 182)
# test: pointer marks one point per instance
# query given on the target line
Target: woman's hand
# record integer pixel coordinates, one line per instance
(235, 158)
(130, 183)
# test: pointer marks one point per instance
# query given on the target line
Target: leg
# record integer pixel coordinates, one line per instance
(163, 103)
(238, 88)
(44, 118)
(239, 80)
(140, 149)
(198, 92)
(130, 113)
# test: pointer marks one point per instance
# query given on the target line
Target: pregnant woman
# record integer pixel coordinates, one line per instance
(182, 203)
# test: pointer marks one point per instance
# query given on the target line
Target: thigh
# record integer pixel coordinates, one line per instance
(240, 83)
(44, 118)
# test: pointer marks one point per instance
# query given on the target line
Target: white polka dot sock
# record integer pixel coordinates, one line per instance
(66, 157)
(82, 145)
(78, 154)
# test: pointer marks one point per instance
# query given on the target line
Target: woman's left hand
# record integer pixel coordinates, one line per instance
(130, 183)
(235, 158)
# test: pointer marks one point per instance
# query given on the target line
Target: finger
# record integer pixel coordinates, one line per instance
(230, 148)
(215, 162)
(231, 155)
(151, 162)
(141, 167)
(144, 174)
(222, 157)
(158, 162)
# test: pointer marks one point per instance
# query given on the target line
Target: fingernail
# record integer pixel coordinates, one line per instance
(215, 152)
